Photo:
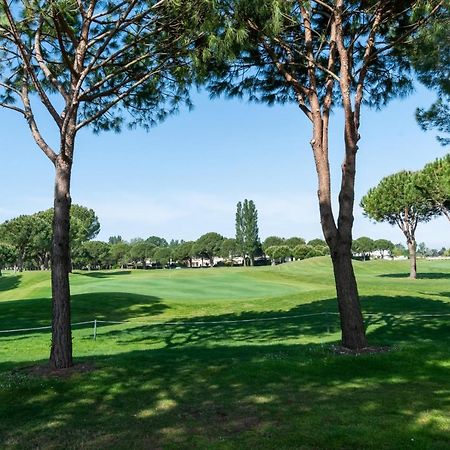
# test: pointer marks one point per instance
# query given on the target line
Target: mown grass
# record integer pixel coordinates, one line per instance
(227, 383)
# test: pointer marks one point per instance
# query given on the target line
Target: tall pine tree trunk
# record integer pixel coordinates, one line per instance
(61, 348)
(351, 319)
(412, 258)
(339, 238)
(352, 324)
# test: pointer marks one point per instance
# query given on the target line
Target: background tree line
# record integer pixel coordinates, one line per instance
(25, 244)
(26, 241)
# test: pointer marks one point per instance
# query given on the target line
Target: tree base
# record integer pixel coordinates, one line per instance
(47, 371)
(341, 350)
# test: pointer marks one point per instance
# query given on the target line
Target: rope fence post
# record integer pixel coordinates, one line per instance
(95, 329)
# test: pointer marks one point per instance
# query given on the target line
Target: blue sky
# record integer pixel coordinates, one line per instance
(185, 176)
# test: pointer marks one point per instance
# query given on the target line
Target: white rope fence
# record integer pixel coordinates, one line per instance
(48, 327)
(96, 322)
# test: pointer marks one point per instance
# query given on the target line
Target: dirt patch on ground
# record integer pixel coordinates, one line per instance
(217, 420)
(340, 350)
(46, 371)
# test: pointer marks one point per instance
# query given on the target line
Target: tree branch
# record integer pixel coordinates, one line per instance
(114, 102)
(13, 108)
(365, 67)
(45, 69)
(28, 66)
(29, 116)
(299, 89)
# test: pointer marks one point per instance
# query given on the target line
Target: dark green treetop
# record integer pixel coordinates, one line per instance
(317, 243)
(229, 248)
(398, 200)
(183, 252)
(434, 183)
(294, 241)
(162, 255)
(8, 255)
(208, 246)
(383, 244)
(430, 55)
(157, 241)
(363, 245)
(272, 241)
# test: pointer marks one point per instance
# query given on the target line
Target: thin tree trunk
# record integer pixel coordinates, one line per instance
(412, 259)
(61, 348)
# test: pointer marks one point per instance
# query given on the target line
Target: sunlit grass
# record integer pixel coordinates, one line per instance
(227, 383)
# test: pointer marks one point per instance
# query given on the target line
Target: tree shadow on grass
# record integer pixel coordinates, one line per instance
(103, 274)
(233, 385)
(117, 306)
(271, 396)
(420, 276)
(388, 322)
(308, 321)
(8, 282)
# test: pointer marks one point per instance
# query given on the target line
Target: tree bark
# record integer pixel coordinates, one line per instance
(412, 259)
(61, 348)
(339, 238)
(352, 323)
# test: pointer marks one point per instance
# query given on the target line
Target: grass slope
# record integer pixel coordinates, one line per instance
(263, 384)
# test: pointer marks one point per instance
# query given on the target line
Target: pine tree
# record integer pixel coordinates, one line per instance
(322, 56)
(90, 64)
(398, 200)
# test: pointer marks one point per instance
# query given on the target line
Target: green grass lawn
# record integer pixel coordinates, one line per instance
(227, 382)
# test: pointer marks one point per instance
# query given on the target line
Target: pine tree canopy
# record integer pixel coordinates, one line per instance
(398, 200)
(107, 61)
(260, 49)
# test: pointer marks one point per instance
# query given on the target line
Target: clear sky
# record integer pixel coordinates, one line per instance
(184, 177)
